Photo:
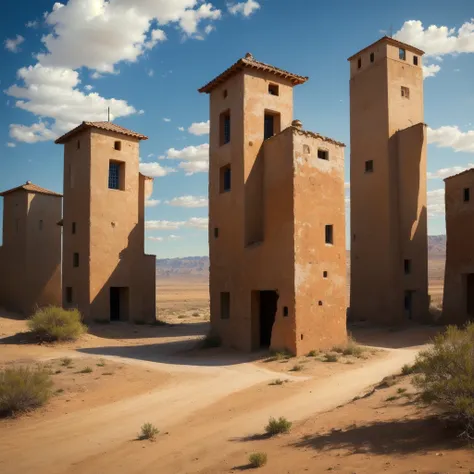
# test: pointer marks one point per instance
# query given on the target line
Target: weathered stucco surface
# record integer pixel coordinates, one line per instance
(388, 205)
(30, 258)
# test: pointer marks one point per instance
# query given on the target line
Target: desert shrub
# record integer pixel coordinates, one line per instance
(23, 388)
(210, 341)
(258, 459)
(57, 324)
(312, 354)
(297, 368)
(401, 390)
(274, 426)
(330, 357)
(277, 382)
(446, 376)
(349, 348)
(391, 399)
(66, 361)
(410, 369)
(148, 431)
(284, 354)
(86, 370)
(101, 363)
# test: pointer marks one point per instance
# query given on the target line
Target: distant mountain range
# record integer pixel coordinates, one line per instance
(198, 267)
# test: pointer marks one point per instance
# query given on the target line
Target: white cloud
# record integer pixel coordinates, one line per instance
(12, 44)
(436, 205)
(166, 119)
(141, 112)
(194, 222)
(157, 239)
(208, 29)
(191, 167)
(152, 202)
(32, 24)
(198, 222)
(161, 239)
(446, 172)
(452, 137)
(173, 237)
(38, 132)
(151, 72)
(194, 159)
(199, 128)
(96, 75)
(11, 145)
(88, 87)
(243, 8)
(430, 70)
(181, 129)
(150, 155)
(188, 201)
(154, 170)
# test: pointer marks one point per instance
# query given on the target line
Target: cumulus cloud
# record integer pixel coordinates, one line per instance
(152, 202)
(13, 44)
(199, 128)
(38, 132)
(188, 201)
(194, 159)
(88, 87)
(243, 8)
(452, 137)
(430, 70)
(198, 222)
(166, 119)
(32, 24)
(154, 170)
(151, 72)
(181, 129)
(194, 222)
(11, 145)
(443, 173)
(436, 205)
(161, 239)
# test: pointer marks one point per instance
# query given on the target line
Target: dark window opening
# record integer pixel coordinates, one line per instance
(225, 179)
(470, 294)
(216, 232)
(273, 89)
(320, 303)
(372, 57)
(285, 311)
(467, 194)
(402, 54)
(225, 93)
(325, 274)
(225, 127)
(78, 144)
(353, 237)
(369, 166)
(268, 308)
(407, 266)
(116, 175)
(69, 294)
(405, 92)
(301, 336)
(75, 260)
(268, 126)
(323, 154)
(415, 60)
(225, 305)
(73, 227)
(118, 145)
(329, 238)
(119, 303)
(40, 225)
(359, 63)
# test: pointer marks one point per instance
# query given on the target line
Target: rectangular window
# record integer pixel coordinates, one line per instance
(116, 175)
(407, 266)
(415, 60)
(118, 145)
(402, 54)
(75, 260)
(323, 154)
(369, 166)
(329, 237)
(359, 63)
(225, 179)
(73, 227)
(225, 127)
(273, 89)
(40, 225)
(225, 305)
(216, 232)
(372, 57)
(285, 311)
(68, 294)
(268, 126)
(467, 194)
(405, 92)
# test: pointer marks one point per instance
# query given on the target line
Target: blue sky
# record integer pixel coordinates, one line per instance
(62, 65)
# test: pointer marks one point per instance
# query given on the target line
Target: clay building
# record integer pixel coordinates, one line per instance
(30, 257)
(458, 297)
(389, 262)
(276, 217)
(105, 271)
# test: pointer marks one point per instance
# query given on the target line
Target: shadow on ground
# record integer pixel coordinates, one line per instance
(399, 437)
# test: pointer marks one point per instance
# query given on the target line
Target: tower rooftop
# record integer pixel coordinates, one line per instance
(31, 188)
(393, 42)
(249, 62)
(107, 126)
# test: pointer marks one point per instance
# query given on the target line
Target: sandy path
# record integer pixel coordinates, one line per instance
(197, 410)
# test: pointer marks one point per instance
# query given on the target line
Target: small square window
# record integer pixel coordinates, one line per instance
(40, 225)
(225, 179)
(225, 305)
(328, 234)
(68, 294)
(369, 166)
(73, 227)
(325, 274)
(407, 266)
(372, 57)
(467, 194)
(75, 260)
(216, 232)
(415, 60)
(285, 311)
(323, 154)
(273, 89)
(118, 145)
(359, 63)
(405, 92)
(402, 54)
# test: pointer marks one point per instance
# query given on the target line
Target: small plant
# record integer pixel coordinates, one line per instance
(86, 370)
(148, 431)
(312, 354)
(258, 459)
(282, 355)
(59, 391)
(297, 368)
(274, 426)
(58, 371)
(23, 388)
(211, 341)
(277, 382)
(101, 363)
(331, 357)
(196, 315)
(182, 316)
(401, 390)
(391, 399)
(66, 361)
(108, 373)
(410, 369)
(57, 324)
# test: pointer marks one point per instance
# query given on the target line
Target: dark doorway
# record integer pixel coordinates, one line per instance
(118, 303)
(470, 294)
(409, 304)
(268, 307)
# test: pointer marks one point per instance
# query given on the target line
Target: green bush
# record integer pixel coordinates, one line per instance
(148, 431)
(23, 388)
(330, 357)
(86, 370)
(66, 361)
(274, 426)
(258, 459)
(57, 324)
(297, 368)
(446, 376)
(312, 354)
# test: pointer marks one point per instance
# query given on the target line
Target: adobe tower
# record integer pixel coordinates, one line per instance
(106, 273)
(276, 217)
(389, 265)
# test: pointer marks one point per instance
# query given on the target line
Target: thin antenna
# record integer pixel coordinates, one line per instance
(108, 114)
(391, 31)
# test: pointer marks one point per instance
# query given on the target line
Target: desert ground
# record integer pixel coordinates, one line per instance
(211, 405)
